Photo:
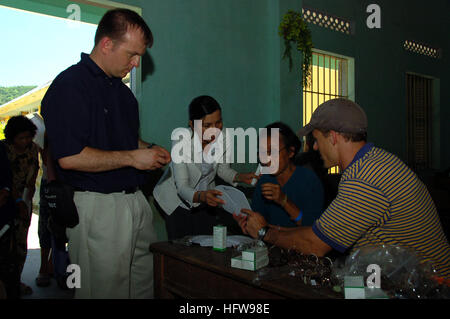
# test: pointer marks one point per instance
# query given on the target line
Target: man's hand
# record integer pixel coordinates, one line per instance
(94, 160)
(273, 192)
(255, 222)
(150, 158)
(242, 221)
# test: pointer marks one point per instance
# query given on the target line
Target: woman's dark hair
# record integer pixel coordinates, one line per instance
(202, 106)
(311, 158)
(290, 139)
(114, 24)
(18, 124)
(310, 140)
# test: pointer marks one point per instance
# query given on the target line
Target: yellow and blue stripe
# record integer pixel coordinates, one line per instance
(381, 201)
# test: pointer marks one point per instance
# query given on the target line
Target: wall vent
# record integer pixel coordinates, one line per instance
(422, 49)
(326, 20)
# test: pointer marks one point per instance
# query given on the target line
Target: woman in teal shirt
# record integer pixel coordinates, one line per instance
(293, 195)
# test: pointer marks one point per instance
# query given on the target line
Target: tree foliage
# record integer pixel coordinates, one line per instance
(10, 93)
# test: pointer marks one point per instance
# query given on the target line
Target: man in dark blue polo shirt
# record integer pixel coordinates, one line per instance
(92, 123)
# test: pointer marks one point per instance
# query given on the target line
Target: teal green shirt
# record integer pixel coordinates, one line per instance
(304, 189)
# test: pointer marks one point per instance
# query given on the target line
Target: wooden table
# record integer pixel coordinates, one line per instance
(199, 272)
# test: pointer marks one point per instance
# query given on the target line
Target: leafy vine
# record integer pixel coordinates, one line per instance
(294, 29)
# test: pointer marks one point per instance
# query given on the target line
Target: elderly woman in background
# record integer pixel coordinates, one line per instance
(23, 157)
(291, 195)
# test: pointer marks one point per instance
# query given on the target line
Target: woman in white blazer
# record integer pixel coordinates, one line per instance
(186, 190)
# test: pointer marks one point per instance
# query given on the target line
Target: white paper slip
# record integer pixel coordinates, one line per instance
(39, 122)
(229, 205)
(235, 200)
(258, 172)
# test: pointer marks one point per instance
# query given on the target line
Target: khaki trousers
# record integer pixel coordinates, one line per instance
(111, 245)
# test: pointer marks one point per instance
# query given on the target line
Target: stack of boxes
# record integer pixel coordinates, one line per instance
(354, 289)
(251, 259)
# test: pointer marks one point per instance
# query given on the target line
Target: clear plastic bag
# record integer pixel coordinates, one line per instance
(403, 275)
(309, 269)
(253, 244)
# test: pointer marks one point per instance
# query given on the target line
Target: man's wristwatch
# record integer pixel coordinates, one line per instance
(262, 232)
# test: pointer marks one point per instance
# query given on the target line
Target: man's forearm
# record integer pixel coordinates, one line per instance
(142, 144)
(301, 239)
(94, 160)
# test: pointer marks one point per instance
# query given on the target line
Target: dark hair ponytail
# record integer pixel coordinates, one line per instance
(202, 106)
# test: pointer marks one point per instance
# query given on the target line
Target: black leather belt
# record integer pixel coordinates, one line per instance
(130, 190)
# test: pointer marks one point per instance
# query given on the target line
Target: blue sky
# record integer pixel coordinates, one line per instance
(35, 48)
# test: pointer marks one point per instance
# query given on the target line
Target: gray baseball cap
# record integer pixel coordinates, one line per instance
(340, 115)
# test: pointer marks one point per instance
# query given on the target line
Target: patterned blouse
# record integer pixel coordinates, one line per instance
(24, 166)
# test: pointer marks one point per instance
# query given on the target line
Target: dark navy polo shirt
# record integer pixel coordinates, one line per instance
(84, 107)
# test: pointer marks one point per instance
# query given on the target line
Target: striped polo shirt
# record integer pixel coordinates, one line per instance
(381, 201)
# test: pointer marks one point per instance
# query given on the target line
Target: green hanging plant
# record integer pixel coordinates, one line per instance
(294, 29)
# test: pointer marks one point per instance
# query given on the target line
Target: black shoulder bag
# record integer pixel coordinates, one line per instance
(62, 209)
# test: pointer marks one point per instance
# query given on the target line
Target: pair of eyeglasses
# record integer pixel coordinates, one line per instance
(277, 152)
(269, 157)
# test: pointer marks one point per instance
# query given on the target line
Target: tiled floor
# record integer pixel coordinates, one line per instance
(31, 269)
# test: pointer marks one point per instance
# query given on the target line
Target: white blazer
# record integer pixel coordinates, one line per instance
(178, 183)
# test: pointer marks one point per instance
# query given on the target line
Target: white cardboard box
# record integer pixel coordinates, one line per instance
(238, 262)
(220, 238)
(255, 253)
(354, 287)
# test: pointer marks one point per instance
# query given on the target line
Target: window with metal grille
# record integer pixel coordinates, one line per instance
(329, 80)
(419, 92)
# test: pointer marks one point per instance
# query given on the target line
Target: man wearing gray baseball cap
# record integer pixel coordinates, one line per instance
(380, 200)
